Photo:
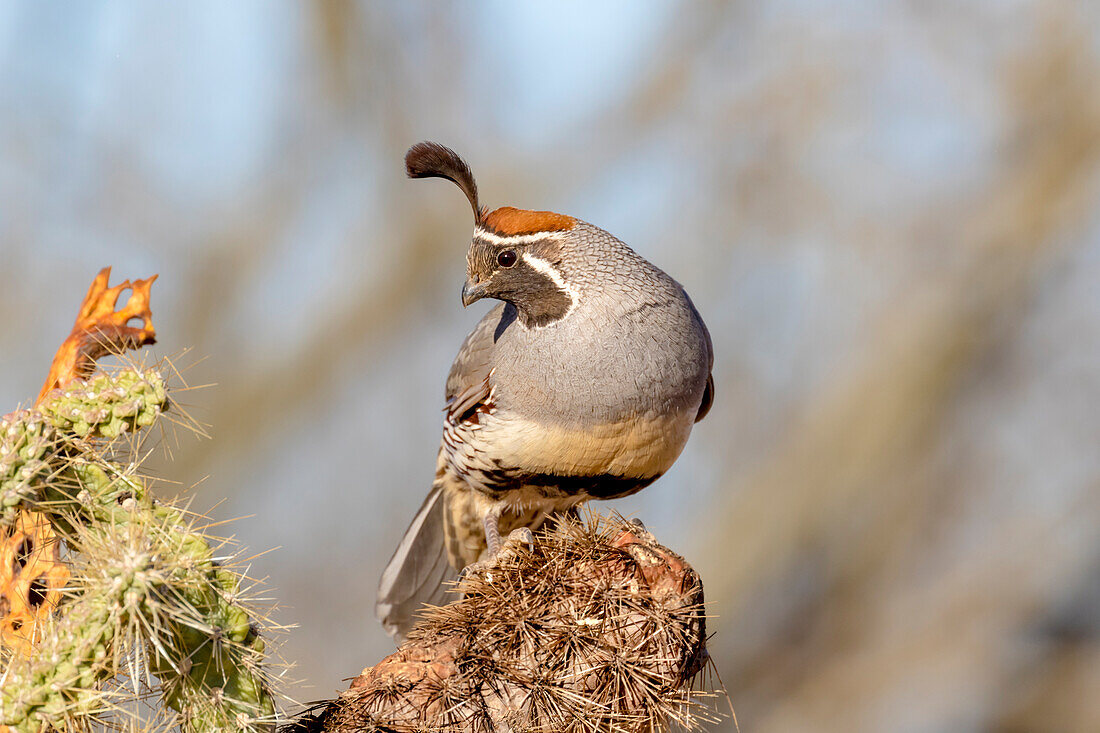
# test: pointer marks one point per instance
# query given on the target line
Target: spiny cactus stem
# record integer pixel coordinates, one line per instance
(151, 590)
(36, 445)
(154, 577)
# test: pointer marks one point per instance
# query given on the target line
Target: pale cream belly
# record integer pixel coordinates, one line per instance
(534, 470)
(642, 446)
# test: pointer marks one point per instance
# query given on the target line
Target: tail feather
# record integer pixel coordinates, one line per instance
(418, 570)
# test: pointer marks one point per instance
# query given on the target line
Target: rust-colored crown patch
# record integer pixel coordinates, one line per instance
(509, 221)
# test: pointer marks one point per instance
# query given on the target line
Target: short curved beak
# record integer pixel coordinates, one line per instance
(472, 292)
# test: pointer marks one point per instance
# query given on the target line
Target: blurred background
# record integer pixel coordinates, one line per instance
(887, 213)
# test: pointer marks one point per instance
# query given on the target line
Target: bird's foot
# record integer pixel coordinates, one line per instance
(521, 537)
(481, 567)
(491, 524)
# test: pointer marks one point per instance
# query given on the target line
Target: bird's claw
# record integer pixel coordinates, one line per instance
(481, 567)
(520, 537)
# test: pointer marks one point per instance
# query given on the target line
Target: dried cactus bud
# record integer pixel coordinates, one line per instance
(597, 627)
(32, 577)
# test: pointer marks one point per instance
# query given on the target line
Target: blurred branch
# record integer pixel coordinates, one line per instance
(853, 464)
(303, 376)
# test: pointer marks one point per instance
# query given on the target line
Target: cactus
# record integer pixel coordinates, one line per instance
(593, 627)
(106, 405)
(149, 604)
(32, 442)
(27, 443)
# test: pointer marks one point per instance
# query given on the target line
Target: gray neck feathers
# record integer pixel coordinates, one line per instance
(619, 350)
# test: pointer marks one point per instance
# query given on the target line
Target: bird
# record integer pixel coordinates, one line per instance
(583, 382)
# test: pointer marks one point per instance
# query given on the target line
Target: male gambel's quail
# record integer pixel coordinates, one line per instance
(582, 384)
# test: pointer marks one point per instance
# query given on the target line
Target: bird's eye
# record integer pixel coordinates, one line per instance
(507, 258)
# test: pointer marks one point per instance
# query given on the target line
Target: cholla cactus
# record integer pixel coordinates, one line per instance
(149, 605)
(27, 442)
(106, 405)
(596, 627)
(32, 441)
(143, 601)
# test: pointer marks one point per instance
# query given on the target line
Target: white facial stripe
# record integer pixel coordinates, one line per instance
(515, 238)
(551, 272)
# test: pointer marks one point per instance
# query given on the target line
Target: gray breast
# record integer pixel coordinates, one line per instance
(633, 345)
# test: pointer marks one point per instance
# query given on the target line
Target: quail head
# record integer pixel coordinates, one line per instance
(582, 383)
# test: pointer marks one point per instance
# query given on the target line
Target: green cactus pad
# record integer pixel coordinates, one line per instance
(107, 405)
(150, 601)
(27, 443)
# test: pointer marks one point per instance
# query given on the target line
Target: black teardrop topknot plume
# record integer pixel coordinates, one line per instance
(432, 160)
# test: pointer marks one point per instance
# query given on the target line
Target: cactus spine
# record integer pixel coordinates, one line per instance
(150, 605)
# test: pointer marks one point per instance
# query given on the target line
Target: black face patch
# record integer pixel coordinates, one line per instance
(538, 298)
